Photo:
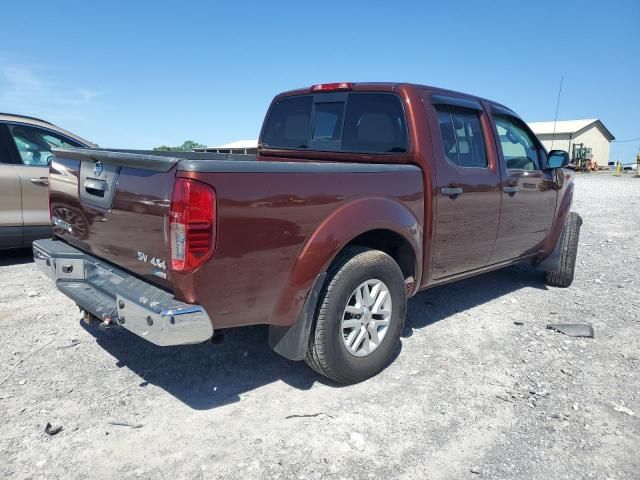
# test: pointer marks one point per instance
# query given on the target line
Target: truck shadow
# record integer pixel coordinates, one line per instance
(438, 303)
(16, 257)
(207, 376)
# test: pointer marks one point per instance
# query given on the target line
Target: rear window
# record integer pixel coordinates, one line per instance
(288, 125)
(347, 122)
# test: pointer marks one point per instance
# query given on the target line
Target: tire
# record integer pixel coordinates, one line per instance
(327, 352)
(564, 276)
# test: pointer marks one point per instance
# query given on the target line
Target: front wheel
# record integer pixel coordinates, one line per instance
(360, 317)
(563, 277)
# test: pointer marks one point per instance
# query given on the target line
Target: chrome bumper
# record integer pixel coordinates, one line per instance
(125, 300)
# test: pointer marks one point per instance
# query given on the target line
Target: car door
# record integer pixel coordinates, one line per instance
(10, 195)
(529, 191)
(33, 145)
(467, 181)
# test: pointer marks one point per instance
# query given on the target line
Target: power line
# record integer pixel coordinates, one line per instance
(625, 141)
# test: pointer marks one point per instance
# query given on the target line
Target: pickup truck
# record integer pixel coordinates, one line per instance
(360, 196)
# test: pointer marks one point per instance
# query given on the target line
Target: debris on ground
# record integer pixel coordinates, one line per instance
(74, 343)
(33, 352)
(573, 329)
(357, 441)
(51, 430)
(125, 424)
(623, 409)
(309, 415)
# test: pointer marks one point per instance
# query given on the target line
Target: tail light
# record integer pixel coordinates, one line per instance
(192, 222)
(331, 87)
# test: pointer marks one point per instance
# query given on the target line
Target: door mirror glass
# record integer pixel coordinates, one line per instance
(557, 159)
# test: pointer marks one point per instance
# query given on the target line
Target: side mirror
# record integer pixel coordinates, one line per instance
(557, 159)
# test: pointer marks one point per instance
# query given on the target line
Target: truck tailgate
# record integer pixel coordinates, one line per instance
(114, 205)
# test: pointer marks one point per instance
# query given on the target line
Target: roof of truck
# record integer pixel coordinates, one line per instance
(390, 87)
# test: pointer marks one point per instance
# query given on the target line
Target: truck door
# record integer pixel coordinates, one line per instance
(467, 177)
(529, 191)
(10, 196)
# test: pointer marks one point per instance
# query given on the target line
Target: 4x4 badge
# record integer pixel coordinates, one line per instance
(97, 169)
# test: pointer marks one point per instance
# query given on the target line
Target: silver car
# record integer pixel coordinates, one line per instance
(25, 154)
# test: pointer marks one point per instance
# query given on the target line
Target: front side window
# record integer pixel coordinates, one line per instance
(34, 144)
(519, 148)
(358, 123)
(462, 137)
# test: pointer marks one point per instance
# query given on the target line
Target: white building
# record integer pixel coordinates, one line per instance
(591, 133)
(239, 146)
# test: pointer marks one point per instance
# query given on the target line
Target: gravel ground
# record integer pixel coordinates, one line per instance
(470, 395)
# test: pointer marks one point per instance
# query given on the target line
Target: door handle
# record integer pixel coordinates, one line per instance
(510, 190)
(452, 191)
(40, 181)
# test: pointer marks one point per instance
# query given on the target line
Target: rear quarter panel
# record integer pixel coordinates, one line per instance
(278, 231)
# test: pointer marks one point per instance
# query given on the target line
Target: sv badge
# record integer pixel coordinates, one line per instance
(155, 262)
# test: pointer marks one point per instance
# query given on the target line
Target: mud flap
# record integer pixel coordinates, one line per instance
(291, 342)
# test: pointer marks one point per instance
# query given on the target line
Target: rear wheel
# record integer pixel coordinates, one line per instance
(563, 277)
(360, 317)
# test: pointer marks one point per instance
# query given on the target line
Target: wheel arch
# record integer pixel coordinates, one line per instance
(375, 222)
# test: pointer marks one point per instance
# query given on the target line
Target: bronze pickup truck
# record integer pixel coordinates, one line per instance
(360, 196)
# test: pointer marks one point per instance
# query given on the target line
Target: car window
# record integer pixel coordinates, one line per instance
(327, 121)
(288, 124)
(374, 123)
(519, 148)
(34, 144)
(462, 137)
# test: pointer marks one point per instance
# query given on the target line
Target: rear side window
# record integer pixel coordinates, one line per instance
(348, 122)
(462, 137)
(288, 125)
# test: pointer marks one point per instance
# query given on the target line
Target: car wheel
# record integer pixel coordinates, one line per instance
(360, 316)
(564, 276)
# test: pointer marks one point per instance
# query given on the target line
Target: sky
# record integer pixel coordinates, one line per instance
(139, 74)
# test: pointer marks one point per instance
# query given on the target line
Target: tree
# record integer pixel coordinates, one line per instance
(187, 146)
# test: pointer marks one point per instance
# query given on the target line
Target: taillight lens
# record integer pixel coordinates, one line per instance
(192, 224)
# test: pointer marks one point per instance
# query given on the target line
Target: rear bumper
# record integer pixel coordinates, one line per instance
(110, 293)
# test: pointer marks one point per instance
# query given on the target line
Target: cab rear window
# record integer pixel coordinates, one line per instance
(344, 122)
